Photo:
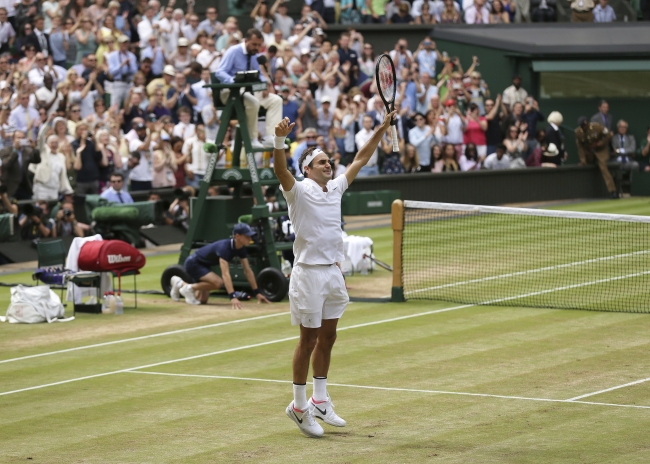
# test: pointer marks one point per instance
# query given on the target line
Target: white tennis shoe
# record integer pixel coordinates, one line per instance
(324, 411)
(188, 293)
(175, 293)
(305, 421)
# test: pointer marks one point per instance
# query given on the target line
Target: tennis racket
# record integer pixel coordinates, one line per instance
(387, 88)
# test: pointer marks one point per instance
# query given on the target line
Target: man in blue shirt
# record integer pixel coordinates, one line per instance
(221, 253)
(116, 191)
(122, 65)
(243, 57)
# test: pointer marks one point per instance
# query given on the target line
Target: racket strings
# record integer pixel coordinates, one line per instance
(386, 80)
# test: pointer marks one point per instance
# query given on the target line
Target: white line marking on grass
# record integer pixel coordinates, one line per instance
(409, 390)
(530, 271)
(636, 382)
(144, 337)
(229, 350)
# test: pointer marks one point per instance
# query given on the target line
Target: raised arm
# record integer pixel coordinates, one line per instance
(285, 177)
(368, 149)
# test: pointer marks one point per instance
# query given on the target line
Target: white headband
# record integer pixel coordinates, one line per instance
(311, 157)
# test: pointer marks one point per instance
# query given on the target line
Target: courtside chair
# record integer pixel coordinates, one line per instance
(52, 253)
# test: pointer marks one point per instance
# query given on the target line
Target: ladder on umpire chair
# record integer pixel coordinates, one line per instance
(235, 176)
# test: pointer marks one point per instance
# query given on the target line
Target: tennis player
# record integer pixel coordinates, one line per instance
(317, 293)
(222, 252)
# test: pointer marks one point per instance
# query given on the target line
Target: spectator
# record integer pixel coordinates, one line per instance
(122, 66)
(593, 140)
(410, 160)
(553, 134)
(37, 73)
(88, 161)
(515, 118)
(531, 116)
(164, 164)
(361, 137)
(50, 175)
(498, 15)
(184, 129)
(65, 222)
(156, 54)
(470, 160)
(478, 91)
(421, 137)
(455, 123)
(514, 94)
(375, 12)
(543, 11)
(515, 143)
(289, 110)
(426, 17)
(181, 160)
(436, 158)
(282, 21)
(38, 38)
(129, 163)
(498, 160)
(15, 162)
(582, 11)
(477, 13)
(141, 174)
(450, 14)
(325, 119)
(163, 83)
(474, 131)
(603, 117)
(48, 97)
(401, 55)
(85, 38)
(427, 55)
(449, 163)
(209, 57)
(624, 146)
(190, 31)
(34, 224)
(24, 117)
(180, 95)
(197, 157)
(402, 16)
(110, 153)
(84, 94)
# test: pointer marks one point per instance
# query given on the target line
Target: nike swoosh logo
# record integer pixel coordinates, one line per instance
(323, 412)
(299, 420)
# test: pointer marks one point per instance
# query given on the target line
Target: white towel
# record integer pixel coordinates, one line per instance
(75, 293)
(356, 247)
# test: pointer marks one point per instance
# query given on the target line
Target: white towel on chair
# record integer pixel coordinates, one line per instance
(76, 294)
(355, 247)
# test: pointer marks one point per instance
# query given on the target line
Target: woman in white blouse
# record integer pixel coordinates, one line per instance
(50, 175)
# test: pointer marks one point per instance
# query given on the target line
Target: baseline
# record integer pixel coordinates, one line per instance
(409, 390)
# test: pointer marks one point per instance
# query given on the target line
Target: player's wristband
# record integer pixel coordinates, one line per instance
(278, 142)
(256, 292)
(232, 295)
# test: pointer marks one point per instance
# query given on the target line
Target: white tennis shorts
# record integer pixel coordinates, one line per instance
(316, 293)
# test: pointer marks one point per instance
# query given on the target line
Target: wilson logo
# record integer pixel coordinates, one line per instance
(113, 259)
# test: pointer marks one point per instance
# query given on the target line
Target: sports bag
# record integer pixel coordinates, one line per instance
(110, 256)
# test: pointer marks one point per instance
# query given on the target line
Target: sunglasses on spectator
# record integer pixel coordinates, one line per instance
(75, 111)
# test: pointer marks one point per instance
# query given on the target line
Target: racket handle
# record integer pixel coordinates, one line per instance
(393, 135)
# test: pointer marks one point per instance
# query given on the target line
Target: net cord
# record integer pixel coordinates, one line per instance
(525, 211)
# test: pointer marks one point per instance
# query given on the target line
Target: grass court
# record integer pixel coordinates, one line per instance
(422, 381)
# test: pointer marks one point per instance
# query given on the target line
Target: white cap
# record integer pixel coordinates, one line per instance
(196, 47)
(305, 51)
(170, 70)
(183, 42)
(326, 99)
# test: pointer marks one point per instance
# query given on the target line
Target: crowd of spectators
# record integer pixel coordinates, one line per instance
(109, 98)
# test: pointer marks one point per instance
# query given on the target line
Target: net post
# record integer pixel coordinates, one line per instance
(397, 223)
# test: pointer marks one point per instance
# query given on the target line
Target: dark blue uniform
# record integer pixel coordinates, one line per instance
(198, 264)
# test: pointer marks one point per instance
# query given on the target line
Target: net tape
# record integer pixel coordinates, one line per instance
(526, 257)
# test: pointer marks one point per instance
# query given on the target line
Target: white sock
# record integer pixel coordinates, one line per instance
(300, 396)
(320, 388)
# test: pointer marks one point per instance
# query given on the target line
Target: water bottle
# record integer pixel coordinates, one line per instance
(108, 306)
(119, 305)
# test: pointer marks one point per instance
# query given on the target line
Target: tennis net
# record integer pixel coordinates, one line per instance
(525, 257)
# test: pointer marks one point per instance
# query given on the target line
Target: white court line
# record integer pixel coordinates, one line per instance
(144, 337)
(229, 350)
(530, 271)
(340, 329)
(636, 382)
(410, 390)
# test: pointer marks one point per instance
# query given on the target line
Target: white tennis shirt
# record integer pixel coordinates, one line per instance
(316, 219)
